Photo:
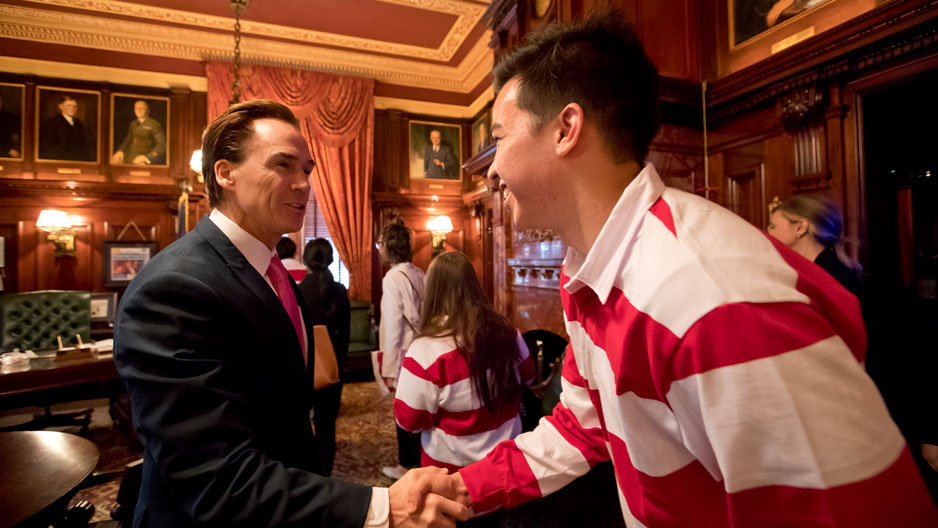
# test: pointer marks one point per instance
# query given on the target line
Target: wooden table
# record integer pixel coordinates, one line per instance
(47, 373)
(41, 471)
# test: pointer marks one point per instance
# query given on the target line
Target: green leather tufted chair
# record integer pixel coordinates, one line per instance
(33, 320)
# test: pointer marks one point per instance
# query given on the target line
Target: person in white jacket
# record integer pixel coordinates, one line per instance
(401, 301)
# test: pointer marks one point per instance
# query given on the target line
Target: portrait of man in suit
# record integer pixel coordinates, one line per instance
(216, 347)
(434, 151)
(144, 139)
(68, 131)
(11, 122)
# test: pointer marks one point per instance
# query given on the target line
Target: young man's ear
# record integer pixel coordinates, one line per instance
(569, 128)
(223, 174)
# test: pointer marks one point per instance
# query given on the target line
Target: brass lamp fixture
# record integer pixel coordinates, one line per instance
(60, 231)
(439, 226)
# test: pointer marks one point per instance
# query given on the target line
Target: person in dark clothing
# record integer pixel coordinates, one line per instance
(812, 226)
(328, 304)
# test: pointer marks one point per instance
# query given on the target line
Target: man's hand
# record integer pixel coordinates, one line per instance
(930, 452)
(428, 497)
(390, 383)
(438, 162)
(141, 160)
(118, 157)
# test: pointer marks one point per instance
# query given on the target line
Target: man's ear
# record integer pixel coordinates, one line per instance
(569, 128)
(223, 175)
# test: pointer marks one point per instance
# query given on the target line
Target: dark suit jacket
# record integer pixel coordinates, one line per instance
(445, 155)
(146, 138)
(220, 396)
(59, 140)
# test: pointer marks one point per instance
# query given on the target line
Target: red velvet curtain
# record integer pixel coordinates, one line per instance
(336, 116)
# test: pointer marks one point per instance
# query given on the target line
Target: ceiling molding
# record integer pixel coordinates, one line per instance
(84, 72)
(467, 16)
(190, 44)
(436, 109)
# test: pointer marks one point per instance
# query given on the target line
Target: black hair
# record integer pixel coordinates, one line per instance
(597, 62)
(317, 256)
(396, 239)
(286, 248)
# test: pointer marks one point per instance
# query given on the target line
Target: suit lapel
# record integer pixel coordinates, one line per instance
(255, 283)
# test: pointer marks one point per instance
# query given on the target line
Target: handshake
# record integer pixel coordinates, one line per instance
(428, 496)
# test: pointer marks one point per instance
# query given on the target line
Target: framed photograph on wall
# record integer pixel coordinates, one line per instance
(435, 151)
(103, 306)
(480, 132)
(139, 130)
(11, 120)
(123, 260)
(68, 124)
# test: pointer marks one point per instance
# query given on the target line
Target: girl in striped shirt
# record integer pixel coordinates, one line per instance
(460, 383)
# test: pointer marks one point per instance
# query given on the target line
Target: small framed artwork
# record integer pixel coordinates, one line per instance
(139, 130)
(480, 132)
(103, 306)
(11, 120)
(435, 151)
(124, 260)
(68, 124)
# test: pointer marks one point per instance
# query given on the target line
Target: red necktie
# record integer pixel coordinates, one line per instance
(283, 284)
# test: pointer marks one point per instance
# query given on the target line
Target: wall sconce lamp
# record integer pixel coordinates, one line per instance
(60, 231)
(439, 226)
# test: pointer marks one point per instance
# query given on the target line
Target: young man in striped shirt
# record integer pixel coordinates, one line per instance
(718, 370)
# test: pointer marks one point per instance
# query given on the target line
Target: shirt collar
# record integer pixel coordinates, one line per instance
(70, 119)
(599, 269)
(257, 254)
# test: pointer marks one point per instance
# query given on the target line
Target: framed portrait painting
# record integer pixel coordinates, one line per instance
(68, 124)
(435, 151)
(139, 130)
(123, 260)
(11, 120)
(480, 132)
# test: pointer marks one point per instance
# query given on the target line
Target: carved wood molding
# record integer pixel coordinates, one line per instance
(86, 190)
(909, 29)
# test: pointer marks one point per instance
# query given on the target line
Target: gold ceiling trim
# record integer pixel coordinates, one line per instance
(467, 15)
(189, 44)
(84, 72)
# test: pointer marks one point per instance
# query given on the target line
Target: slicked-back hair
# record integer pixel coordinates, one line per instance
(455, 305)
(396, 239)
(226, 136)
(597, 62)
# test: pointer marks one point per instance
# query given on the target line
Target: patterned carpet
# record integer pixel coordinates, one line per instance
(366, 441)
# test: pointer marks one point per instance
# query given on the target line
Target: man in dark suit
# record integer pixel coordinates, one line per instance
(10, 133)
(62, 137)
(215, 345)
(438, 160)
(145, 142)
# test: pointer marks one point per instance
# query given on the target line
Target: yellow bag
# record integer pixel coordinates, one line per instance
(325, 368)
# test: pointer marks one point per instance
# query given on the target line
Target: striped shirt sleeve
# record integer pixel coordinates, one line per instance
(563, 447)
(417, 398)
(782, 413)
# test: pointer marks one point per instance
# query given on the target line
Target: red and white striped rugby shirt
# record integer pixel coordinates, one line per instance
(435, 396)
(720, 371)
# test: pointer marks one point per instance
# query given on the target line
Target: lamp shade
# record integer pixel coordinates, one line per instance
(440, 224)
(52, 219)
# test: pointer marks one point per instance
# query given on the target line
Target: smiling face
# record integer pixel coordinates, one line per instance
(266, 193)
(522, 162)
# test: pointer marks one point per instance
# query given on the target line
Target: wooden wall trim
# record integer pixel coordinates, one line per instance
(894, 33)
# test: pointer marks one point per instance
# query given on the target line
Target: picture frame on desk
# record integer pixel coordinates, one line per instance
(123, 260)
(103, 307)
